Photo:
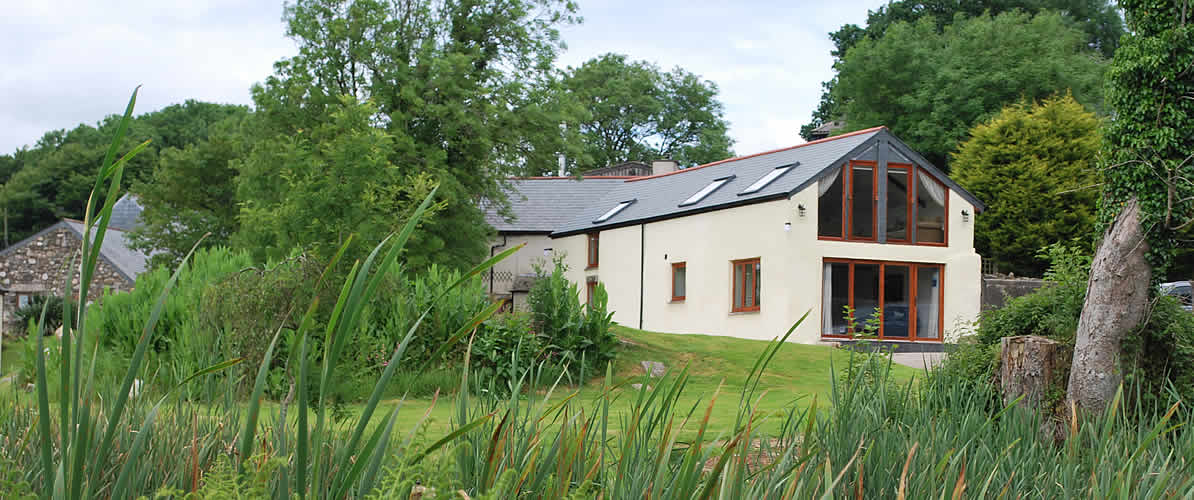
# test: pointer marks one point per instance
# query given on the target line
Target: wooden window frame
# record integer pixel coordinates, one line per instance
(914, 173)
(734, 264)
(849, 198)
(914, 270)
(675, 266)
(590, 292)
(593, 250)
(945, 209)
(909, 202)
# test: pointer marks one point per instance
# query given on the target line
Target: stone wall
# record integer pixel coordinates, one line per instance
(997, 289)
(37, 268)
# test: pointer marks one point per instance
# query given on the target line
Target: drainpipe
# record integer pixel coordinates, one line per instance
(491, 250)
(642, 253)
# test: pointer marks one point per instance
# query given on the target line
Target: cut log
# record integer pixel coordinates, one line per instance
(1116, 303)
(1028, 367)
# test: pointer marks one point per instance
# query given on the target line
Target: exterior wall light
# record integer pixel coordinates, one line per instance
(547, 252)
(965, 216)
(787, 226)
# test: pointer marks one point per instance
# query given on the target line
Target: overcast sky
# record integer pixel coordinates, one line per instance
(70, 62)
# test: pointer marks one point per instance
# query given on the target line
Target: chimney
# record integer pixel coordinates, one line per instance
(664, 166)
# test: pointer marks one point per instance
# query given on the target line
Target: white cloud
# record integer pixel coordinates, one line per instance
(71, 62)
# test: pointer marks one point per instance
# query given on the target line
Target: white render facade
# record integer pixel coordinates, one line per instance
(753, 266)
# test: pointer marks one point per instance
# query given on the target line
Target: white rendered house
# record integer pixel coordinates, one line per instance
(746, 246)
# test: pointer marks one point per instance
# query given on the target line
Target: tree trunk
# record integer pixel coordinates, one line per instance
(1028, 367)
(1116, 301)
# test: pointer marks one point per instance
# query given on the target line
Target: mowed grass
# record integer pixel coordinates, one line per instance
(797, 375)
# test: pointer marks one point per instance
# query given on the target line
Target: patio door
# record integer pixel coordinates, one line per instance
(903, 299)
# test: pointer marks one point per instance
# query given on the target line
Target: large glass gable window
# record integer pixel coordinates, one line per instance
(705, 191)
(916, 208)
(767, 179)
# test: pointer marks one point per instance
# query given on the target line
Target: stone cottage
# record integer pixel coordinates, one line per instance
(37, 265)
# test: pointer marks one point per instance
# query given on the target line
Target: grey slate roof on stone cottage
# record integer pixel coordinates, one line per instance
(542, 205)
(116, 251)
(126, 213)
(659, 197)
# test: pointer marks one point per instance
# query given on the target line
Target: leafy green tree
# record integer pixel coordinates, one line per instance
(1034, 167)
(316, 188)
(193, 192)
(53, 179)
(638, 112)
(1099, 20)
(1148, 197)
(930, 87)
(465, 89)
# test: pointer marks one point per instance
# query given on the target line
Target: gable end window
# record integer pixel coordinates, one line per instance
(746, 285)
(593, 250)
(679, 281)
(915, 212)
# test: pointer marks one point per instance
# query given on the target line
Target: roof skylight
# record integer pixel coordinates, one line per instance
(700, 195)
(767, 179)
(613, 211)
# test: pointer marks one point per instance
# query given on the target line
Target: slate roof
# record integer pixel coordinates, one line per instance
(125, 213)
(544, 204)
(658, 197)
(115, 249)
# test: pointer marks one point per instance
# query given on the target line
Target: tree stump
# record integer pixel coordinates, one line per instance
(1028, 367)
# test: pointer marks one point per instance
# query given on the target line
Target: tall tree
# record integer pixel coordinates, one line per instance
(192, 192)
(638, 112)
(1149, 192)
(931, 87)
(1099, 20)
(52, 179)
(315, 189)
(1033, 164)
(468, 87)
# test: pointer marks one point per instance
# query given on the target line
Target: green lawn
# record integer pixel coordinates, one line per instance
(796, 375)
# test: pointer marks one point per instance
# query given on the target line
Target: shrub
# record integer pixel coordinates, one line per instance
(404, 299)
(32, 311)
(1161, 357)
(183, 343)
(247, 305)
(574, 335)
(1157, 359)
(504, 347)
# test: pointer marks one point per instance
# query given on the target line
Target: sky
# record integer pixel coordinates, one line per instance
(70, 62)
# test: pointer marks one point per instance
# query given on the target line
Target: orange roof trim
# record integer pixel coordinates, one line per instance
(736, 158)
(557, 178)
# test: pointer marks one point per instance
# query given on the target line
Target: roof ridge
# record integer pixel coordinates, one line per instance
(110, 228)
(736, 158)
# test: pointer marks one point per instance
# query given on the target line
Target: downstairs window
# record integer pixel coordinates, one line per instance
(904, 300)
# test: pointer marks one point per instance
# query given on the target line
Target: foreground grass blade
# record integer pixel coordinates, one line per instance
(122, 394)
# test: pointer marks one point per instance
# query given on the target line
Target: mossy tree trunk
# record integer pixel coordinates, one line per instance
(1115, 305)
